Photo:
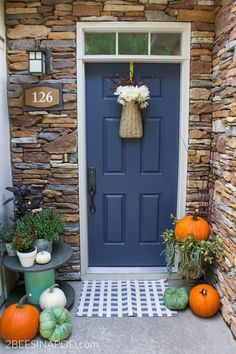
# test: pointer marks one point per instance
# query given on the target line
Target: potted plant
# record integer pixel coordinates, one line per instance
(47, 225)
(6, 235)
(193, 254)
(25, 199)
(23, 241)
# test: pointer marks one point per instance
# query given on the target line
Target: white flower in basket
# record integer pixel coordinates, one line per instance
(127, 94)
(132, 98)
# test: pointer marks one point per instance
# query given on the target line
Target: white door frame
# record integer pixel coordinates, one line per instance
(184, 61)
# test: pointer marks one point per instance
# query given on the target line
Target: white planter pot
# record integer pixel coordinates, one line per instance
(27, 259)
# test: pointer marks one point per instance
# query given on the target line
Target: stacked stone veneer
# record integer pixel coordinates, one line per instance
(39, 140)
(223, 156)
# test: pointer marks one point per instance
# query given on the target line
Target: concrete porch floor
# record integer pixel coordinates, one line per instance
(185, 334)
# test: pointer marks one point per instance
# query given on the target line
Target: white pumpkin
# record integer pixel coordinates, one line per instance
(43, 257)
(52, 297)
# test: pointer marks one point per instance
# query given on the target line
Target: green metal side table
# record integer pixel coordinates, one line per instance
(41, 276)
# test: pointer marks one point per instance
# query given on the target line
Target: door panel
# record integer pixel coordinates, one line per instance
(136, 179)
(151, 148)
(113, 150)
(114, 218)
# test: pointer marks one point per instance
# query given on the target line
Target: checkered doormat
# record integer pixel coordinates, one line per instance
(123, 299)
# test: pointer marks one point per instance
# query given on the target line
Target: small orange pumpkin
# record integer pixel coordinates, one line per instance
(194, 225)
(204, 300)
(19, 322)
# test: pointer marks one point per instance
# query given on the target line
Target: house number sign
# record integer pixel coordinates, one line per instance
(44, 96)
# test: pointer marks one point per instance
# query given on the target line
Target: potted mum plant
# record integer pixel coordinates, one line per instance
(23, 242)
(47, 225)
(133, 96)
(6, 235)
(189, 243)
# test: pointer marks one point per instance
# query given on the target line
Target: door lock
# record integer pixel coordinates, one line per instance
(92, 188)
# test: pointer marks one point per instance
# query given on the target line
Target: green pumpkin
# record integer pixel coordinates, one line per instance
(55, 324)
(176, 298)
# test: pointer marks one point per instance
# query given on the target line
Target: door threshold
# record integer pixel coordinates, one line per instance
(128, 273)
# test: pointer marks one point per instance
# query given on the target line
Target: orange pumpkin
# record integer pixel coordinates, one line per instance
(19, 322)
(192, 225)
(204, 300)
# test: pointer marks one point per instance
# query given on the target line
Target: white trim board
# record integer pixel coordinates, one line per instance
(128, 273)
(184, 61)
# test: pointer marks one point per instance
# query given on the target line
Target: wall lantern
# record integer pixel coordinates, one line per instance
(39, 61)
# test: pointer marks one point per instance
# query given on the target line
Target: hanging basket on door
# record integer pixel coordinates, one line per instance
(133, 97)
(131, 125)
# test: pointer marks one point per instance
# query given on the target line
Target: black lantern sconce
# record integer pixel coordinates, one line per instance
(39, 61)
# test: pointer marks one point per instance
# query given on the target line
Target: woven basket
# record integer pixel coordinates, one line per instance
(131, 121)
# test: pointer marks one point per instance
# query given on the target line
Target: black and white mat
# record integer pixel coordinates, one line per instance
(123, 298)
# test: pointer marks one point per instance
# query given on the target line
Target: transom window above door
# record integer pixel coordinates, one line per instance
(132, 43)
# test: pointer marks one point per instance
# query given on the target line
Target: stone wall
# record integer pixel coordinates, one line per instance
(223, 156)
(40, 140)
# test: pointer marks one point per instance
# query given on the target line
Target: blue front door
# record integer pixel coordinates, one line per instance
(136, 179)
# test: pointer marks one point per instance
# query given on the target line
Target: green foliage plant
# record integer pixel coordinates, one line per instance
(6, 233)
(48, 224)
(193, 255)
(24, 237)
(45, 224)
